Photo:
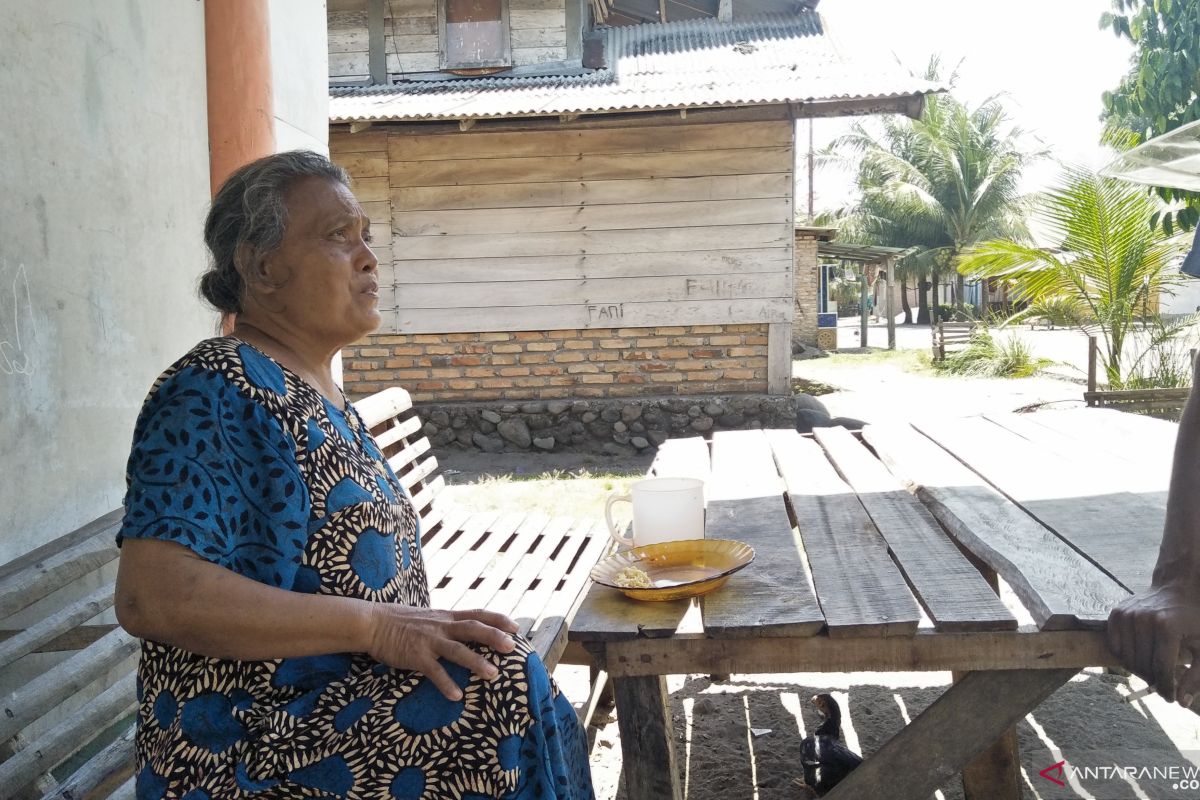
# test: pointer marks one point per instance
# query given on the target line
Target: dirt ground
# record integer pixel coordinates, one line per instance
(740, 738)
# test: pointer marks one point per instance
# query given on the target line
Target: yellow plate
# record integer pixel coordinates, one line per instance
(686, 568)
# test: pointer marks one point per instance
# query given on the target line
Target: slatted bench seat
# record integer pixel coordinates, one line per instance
(67, 731)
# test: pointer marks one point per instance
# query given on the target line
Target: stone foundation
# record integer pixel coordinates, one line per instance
(611, 426)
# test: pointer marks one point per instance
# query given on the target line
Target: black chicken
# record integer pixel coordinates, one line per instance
(824, 758)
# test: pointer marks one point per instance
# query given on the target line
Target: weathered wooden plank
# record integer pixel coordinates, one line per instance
(498, 570)
(1140, 472)
(586, 193)
(955, 595)
(860, 589)
(454, 544)
(959, 725)
(594, 267)
(683, 164)
(606, 615)
(774, 595)
(523, 56)
(627, 315)
(368, 141)
(1030, 558)
(1131, 436)
(49, 628)
(647, 739)
(525, 576)
(575, 243)
(65, 679)
(521, 18)
(549, 633)
(467, 568)
(115, 762)
(743, 467)
(69, 735)
(488, 293)
(925, 651)
(348, 66)
(587, 218)
(108, 525)
(364, 165)
(585, 141)
(370, 190)
(537, 600)
(35, 581)
(779, 355)
(412, 62)
(533, 38)
(1118, 530)
(682, 458)
(76, 638)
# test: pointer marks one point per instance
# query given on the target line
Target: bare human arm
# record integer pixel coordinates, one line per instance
(1149, 631)
(167, 593)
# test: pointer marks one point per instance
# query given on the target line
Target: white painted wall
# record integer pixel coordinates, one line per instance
(300, 73)
(105, 185)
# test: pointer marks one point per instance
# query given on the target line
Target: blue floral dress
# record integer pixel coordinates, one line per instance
(244, 463)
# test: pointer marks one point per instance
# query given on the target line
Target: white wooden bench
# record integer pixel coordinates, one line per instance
(531, 567)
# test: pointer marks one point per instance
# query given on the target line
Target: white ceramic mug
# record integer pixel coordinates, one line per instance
(664, 509)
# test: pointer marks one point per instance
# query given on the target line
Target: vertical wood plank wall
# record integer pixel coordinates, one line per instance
(579, 228)
(538, 30)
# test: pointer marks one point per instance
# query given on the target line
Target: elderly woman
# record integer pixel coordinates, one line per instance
(271, 562)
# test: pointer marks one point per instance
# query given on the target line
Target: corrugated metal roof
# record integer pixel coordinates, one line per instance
(777, 58)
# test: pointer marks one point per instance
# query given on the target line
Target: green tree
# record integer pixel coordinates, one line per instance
(942, 183)
(1161, 91)
(1108, 261)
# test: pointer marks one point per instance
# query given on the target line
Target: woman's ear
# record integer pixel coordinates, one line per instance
(255, 270)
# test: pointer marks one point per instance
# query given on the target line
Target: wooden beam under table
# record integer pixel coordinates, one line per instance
(647, 739)
(959, 725)
(925, 651)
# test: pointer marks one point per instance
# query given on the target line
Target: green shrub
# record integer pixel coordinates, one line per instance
(986, 357)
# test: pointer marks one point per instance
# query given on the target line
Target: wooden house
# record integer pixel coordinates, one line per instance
(570, 209)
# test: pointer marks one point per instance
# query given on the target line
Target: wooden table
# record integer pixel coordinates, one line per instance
(884, 558)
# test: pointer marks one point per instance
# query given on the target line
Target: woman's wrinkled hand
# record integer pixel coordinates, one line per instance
(1149, 631)
(405, 637)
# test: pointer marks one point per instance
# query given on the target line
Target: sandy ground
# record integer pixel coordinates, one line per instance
(740, 738)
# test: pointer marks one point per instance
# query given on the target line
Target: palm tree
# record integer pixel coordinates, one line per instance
(1108, 262)
(943, 183)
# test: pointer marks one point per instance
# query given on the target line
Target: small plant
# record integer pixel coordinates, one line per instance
(1166, 363)
(815, 388)
(986, 357)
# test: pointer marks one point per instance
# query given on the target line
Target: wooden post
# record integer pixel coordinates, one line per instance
(376, 52)
(862, 307)
(1093, 351)
(779, 358)
(891, 310)
(996, 772)
(644, 721)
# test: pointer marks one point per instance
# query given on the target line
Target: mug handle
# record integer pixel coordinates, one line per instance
(612, 529)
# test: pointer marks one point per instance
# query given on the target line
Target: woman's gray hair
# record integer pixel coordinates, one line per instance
(247, 220)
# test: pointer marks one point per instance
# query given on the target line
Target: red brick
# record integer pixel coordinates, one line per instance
(504, 360)
(705, 375)
(604, 355)
(547, 370)
(439, 350)
(533, 358)
(725, 340)
(448, 372)
(667, 377)
(669, 331)
(510, 372)
(756, 340)
(566, 358)
(688, 341)
(495, 337)
(497, 383)
(657, 341)
(507, 348)
(745, 351)
(398, 363)
(704, 352)
(374, 352)
(465, 361)
(392, 339)
(430, 386)
(739, 374)
(458, 337)
(563, 334)
(707, 329)
(541, 347)
(688, 366)
(528, 336)
(614, 344)
(427, 338)
(462, 383)
(579, 344)
(408, 350)
(654, 366)
(479, 372)
(603, 378)
(630, 379)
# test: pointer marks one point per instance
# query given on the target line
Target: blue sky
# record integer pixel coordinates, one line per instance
(1048, 56)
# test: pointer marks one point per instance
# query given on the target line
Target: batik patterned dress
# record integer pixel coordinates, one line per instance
(244, 463)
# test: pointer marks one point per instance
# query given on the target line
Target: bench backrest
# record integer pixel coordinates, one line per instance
(89, 697)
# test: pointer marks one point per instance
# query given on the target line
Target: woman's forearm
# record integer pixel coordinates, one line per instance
(166, 593)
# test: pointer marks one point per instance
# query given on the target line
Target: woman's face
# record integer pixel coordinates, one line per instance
(323, 279)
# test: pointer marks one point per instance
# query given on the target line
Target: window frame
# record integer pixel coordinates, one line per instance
(506, 59)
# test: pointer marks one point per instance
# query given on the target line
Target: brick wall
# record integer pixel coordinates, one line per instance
(608, 362)
(807, 284)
